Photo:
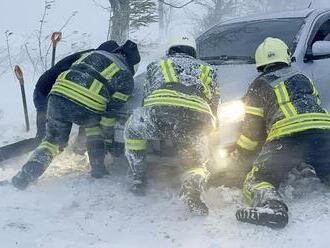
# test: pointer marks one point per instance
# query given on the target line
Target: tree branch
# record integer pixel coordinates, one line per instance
(175, 6)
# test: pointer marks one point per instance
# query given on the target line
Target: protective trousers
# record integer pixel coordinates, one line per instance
(184, 127)
(278, 157)
(61, 114)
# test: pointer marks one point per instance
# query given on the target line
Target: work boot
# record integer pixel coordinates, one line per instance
(273, 213)
(21, 180)
(193, 201)
(30, 172)
(139, 186)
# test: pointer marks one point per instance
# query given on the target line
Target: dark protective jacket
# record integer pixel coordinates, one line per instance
(181, 80)
(98, 80)
(48, 78)
(280, 103)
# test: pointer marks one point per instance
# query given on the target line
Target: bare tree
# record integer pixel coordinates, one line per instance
(38, 55)
(9, 56)
(128, 15)
(216, 11)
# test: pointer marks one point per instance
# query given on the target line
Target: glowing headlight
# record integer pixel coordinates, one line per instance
(231, 112)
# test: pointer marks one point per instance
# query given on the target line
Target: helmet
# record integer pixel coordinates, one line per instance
(270, 51)
(183, 43)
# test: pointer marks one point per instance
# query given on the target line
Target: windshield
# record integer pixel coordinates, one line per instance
(239, 41)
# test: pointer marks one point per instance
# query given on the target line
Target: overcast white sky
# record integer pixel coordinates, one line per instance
(22, 17)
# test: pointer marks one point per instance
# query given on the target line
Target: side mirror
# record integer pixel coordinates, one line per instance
(321, 48)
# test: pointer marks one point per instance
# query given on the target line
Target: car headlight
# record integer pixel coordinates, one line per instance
(231, 112)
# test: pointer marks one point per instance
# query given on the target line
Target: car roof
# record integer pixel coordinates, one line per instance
(276, 15)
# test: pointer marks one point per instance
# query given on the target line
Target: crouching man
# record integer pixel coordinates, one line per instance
(97, 84)
(181, 97)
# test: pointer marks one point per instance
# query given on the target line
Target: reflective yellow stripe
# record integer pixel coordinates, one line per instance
(168, 71)
(108, 122)
(315, 92)
(110, 71)
(79, 98)
(63, 75)
(262, 185)
(96, 86)
(247, 143)
(246, 187)
(284, 101)
(82, 57)
(136, 144)
(172, 93)
(254, 111)
(81, 90)
(249, 192)
(172, 101)
(298, 127)
(206, 80)
(93, 131)
(120, 96)
(52, 148)
(302, 118)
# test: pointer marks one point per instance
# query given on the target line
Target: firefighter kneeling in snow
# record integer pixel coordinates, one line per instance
(98, 83)
(181, 96)
(284, 116)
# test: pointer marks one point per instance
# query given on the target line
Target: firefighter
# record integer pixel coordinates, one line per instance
(45, 84)
(181, 98)
(285, 119)
(47, 80)
(96, 85)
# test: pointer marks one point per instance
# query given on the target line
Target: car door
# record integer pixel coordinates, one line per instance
(319, 66)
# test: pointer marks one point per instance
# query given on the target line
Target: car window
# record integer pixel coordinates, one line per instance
(239, 41)
(323, 33)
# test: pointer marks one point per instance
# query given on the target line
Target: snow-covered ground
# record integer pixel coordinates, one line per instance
(68, 209)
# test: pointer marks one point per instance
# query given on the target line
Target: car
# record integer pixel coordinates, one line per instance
(230, 46)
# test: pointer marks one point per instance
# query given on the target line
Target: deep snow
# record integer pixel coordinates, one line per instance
(67, 208)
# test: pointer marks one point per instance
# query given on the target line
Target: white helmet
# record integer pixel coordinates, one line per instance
(183, 40)
(270, 51)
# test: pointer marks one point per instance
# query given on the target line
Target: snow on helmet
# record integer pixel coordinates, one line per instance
(182, 43)
(270, 51)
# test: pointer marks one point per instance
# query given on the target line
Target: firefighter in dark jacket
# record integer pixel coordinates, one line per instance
(89, 93)
(283, 118)
(46, 82)
(181, 97)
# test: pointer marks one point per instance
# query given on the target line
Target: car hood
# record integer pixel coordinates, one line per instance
(234, 80)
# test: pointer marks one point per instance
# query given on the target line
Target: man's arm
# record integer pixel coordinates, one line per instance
(253, 130)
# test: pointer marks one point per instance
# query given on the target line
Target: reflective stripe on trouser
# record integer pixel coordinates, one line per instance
(257, 192)
(40, 159)
(108, 124)
(136, 144)
(149, 124)
(247, 144)
(93, 131)
(299, 123)
(254, 111)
